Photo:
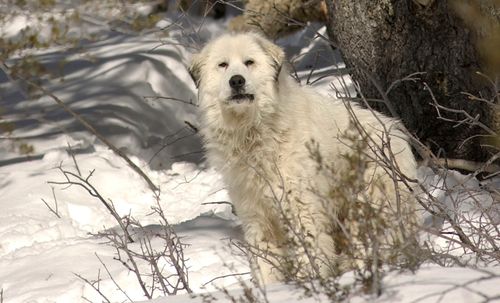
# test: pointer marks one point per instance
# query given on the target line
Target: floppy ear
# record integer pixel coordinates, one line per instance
(274, 51)
(195, 69)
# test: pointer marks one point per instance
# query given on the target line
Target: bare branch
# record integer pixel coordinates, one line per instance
(190, 102)
(54, 210)
(113, 280)
(85, 184)
(226, 276)
(71, 152)
(95, 285)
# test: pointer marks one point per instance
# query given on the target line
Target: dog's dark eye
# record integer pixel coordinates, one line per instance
(249, 62)
(223, 65)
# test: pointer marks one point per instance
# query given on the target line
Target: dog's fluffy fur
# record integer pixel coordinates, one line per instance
(267, 136)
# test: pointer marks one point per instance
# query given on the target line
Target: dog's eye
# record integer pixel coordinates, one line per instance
(222, 65)
(249, 62)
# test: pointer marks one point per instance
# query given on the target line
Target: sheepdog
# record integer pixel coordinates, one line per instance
(300, 167)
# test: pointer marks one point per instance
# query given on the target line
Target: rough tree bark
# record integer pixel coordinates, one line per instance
(386, 40)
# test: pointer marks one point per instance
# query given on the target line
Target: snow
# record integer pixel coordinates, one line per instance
(430, 284)
(105, 80)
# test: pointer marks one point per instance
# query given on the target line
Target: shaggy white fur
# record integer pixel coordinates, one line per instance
(281, 148)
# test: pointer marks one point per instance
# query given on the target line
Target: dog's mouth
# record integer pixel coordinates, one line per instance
(240, 98)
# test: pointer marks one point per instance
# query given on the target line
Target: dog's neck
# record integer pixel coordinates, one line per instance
(252, 142)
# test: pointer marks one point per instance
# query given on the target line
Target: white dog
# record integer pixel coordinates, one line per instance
(282, 148)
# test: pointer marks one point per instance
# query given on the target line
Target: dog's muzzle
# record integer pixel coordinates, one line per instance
(237, 84)
(239, 98)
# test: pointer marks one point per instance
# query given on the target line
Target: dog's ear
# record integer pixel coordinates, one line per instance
(276, 53)
(195, 69)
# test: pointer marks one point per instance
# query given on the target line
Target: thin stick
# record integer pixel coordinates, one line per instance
(190, 102)
(226, 276)
(114, 281)
(54, 211)
(217, 202)
(72, 153)
(92, 284)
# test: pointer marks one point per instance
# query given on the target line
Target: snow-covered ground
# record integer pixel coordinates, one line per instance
(108, 80)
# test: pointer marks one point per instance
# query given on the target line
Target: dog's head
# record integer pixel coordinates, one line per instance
(237, 74)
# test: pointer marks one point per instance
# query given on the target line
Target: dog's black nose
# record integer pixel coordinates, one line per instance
(237, 81)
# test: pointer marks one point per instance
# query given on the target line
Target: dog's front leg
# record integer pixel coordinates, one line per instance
(266, 251)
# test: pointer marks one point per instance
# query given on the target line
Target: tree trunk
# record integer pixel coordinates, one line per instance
(384, 41)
